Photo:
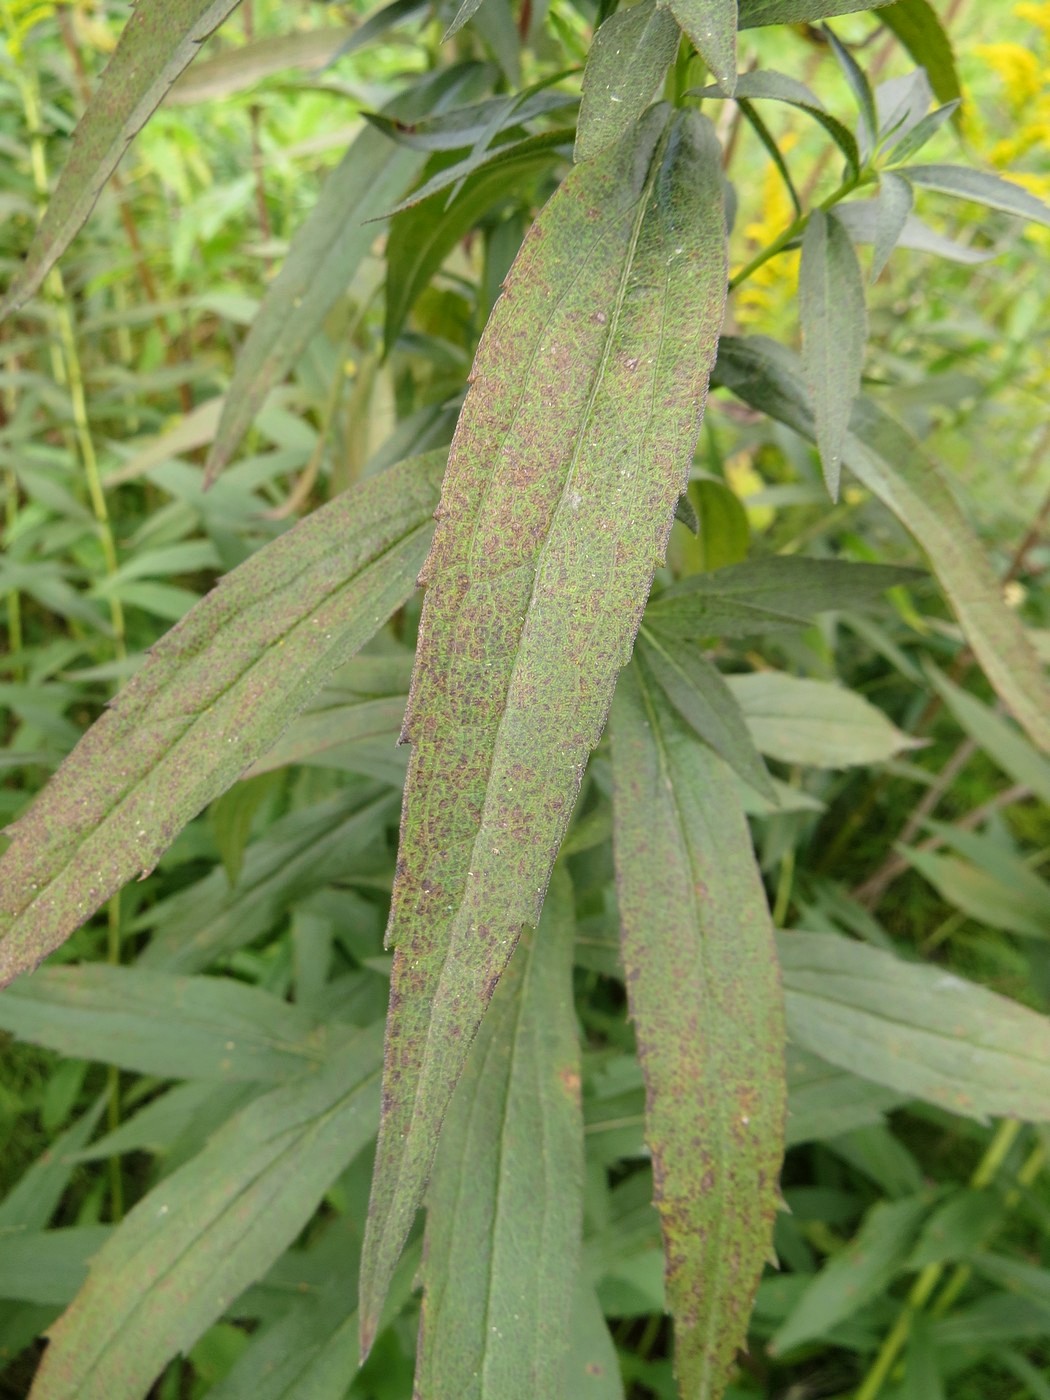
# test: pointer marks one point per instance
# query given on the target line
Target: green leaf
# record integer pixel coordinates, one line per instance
(859, 85)
(818, 722)
(921, 133)
(154, 1023)
(324, 254)
(997, 889)
(157, 43)
(999, 739)
(570, 455)
(767, 595)
(704, 994)
(768, 84)
(854, 1276)
(626, 63)
(990, 190)
(699, 693)
(194, 1243)
(756, 12)
(825, 1101)
(711, 25)
(592, 1368)
(916, 25)
(237, 69)
(867, 219)
(502, 1257)
(892, 209)
(834, 326)
(724, 536)
(213, 696)
(32, 1201)
(887, 460)
(920, 1030)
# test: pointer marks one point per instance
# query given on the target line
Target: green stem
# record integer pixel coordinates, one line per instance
(798, 226)
(895, 1340)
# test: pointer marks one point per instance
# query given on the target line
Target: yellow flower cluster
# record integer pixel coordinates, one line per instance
(1025, 75)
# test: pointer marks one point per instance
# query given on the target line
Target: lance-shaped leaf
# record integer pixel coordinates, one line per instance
(711, 24)
(756, 12)
(888, 461)
(213, 696)
(916, 25)
(990, 190)
(834, 328)
(570, 454)
(196, 1241)
(157, 43)
(324, 254)
(806, 721)
(892, 209)
(502, 1256)
(917, 1029)
(704, 991)
(766, 83)
(626, 63)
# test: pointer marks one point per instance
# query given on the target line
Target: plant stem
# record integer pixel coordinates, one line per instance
(1003, 1139)
(798, 226)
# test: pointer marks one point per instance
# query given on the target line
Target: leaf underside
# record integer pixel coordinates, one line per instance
(570, 454)
(712, 1049)
(214, 694)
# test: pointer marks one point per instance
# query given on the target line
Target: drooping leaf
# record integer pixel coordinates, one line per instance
(215, 693)
(888, 461)
(158, 41)
(711, 25)
(806, 721)
(626, 63)
(155, 1023)
(768, 84)
(704, 993)
(190, 1246)
(834, 328)
(236, 69)
(996, 735)
(569, 458)
(699, 693)
(917, 1029)
(856, 1275)
(917, 26)
(756, 12)
(502, 1257)
(990, 190)
(324, 254)
(892, 209)
(767, 595)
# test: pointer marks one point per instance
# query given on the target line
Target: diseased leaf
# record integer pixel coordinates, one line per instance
(990, 190)
(699, 693)
(502, 1257)
(570, 455)
(916, 25)
(711, 25)
(191, 1246)
(704, 993)
(213, 696)
(626, 63)
(324, 254)
(888, 461)
(805, 721)
(155, 1023)
(767, 595)
(756, 12)
(834, 328)
(157, 43)
(856, 1275)
(917, 1029)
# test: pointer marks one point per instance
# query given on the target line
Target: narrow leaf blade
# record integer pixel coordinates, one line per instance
(502, 1258)
(213, 696)
(917, 26)
(157, 43)
(626, 63)
(756, 12)
(834, 328)
(704, 992)
(568, 461)
(990, 190)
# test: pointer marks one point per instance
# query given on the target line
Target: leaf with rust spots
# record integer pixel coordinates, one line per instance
(213, 696)
(158, 42)
(570, 454)
(703, 986)
(502, 1257)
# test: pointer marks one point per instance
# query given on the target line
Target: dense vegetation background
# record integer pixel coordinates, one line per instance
(914, 1254)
